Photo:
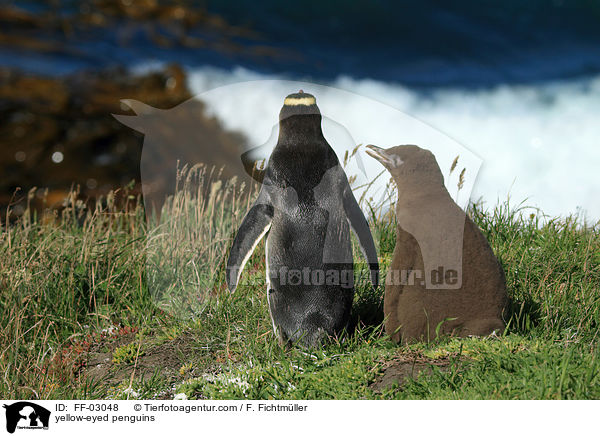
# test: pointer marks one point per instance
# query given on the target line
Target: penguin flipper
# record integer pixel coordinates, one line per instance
(255, 225)
(360, 227)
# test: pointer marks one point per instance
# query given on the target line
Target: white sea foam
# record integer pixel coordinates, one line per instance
(250, 104)
(538, 143)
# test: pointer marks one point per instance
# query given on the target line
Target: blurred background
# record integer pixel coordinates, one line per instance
(516, 83)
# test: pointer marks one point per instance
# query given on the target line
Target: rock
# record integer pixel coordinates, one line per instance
(60, 132)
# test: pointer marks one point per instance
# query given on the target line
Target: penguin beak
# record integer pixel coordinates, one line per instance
(379, 154)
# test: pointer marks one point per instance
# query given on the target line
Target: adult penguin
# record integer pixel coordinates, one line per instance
(306, 207)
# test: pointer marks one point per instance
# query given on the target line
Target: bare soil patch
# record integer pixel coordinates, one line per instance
(164, 358)
(407, 366)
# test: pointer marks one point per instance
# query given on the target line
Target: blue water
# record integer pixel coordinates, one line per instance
(515, 82)
(429, 43)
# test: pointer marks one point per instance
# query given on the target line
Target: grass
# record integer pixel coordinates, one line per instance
(90, 305)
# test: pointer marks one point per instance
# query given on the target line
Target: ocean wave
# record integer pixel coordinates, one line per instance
(537, 143)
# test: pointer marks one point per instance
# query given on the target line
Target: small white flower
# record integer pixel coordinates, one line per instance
(209, 377)
(131, 392)
(237, 381)
(180, 396)
(109, 331)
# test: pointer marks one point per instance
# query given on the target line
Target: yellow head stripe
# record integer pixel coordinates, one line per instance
(304, 101)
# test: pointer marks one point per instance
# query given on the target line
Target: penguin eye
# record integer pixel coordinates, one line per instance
(396, 161)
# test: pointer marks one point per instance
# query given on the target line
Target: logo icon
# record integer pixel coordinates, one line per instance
(26, 415)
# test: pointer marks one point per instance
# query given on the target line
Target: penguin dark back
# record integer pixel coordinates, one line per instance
(306, 209)
(300, 119)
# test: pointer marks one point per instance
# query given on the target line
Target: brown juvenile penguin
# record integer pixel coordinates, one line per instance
(444, 277)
